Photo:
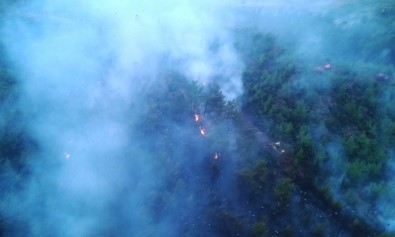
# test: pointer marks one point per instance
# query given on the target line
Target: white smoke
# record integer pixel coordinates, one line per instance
(81, 65)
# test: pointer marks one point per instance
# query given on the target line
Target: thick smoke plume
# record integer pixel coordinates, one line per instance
(82, 66)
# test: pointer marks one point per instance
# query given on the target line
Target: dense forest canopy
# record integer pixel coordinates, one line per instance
(247, 118)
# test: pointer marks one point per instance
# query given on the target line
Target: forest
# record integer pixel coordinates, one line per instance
(258, 134)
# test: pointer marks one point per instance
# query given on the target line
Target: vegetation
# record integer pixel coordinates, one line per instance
(255, 166)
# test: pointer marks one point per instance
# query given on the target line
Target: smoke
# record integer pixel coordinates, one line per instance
(83, 66)
(119, 39)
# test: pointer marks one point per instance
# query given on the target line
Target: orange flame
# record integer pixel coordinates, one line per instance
(202, 131)
(197, 118)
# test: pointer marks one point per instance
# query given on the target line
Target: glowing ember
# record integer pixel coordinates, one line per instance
(67, 155)
(216, 156)
(202, 131)
(197, 118)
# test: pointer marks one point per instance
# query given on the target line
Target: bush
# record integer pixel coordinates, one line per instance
(259, 229)
(283, 190)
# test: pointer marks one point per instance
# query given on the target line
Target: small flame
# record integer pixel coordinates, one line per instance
(67, 155)
(216, 156)
(202, 131)
(197, 118)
